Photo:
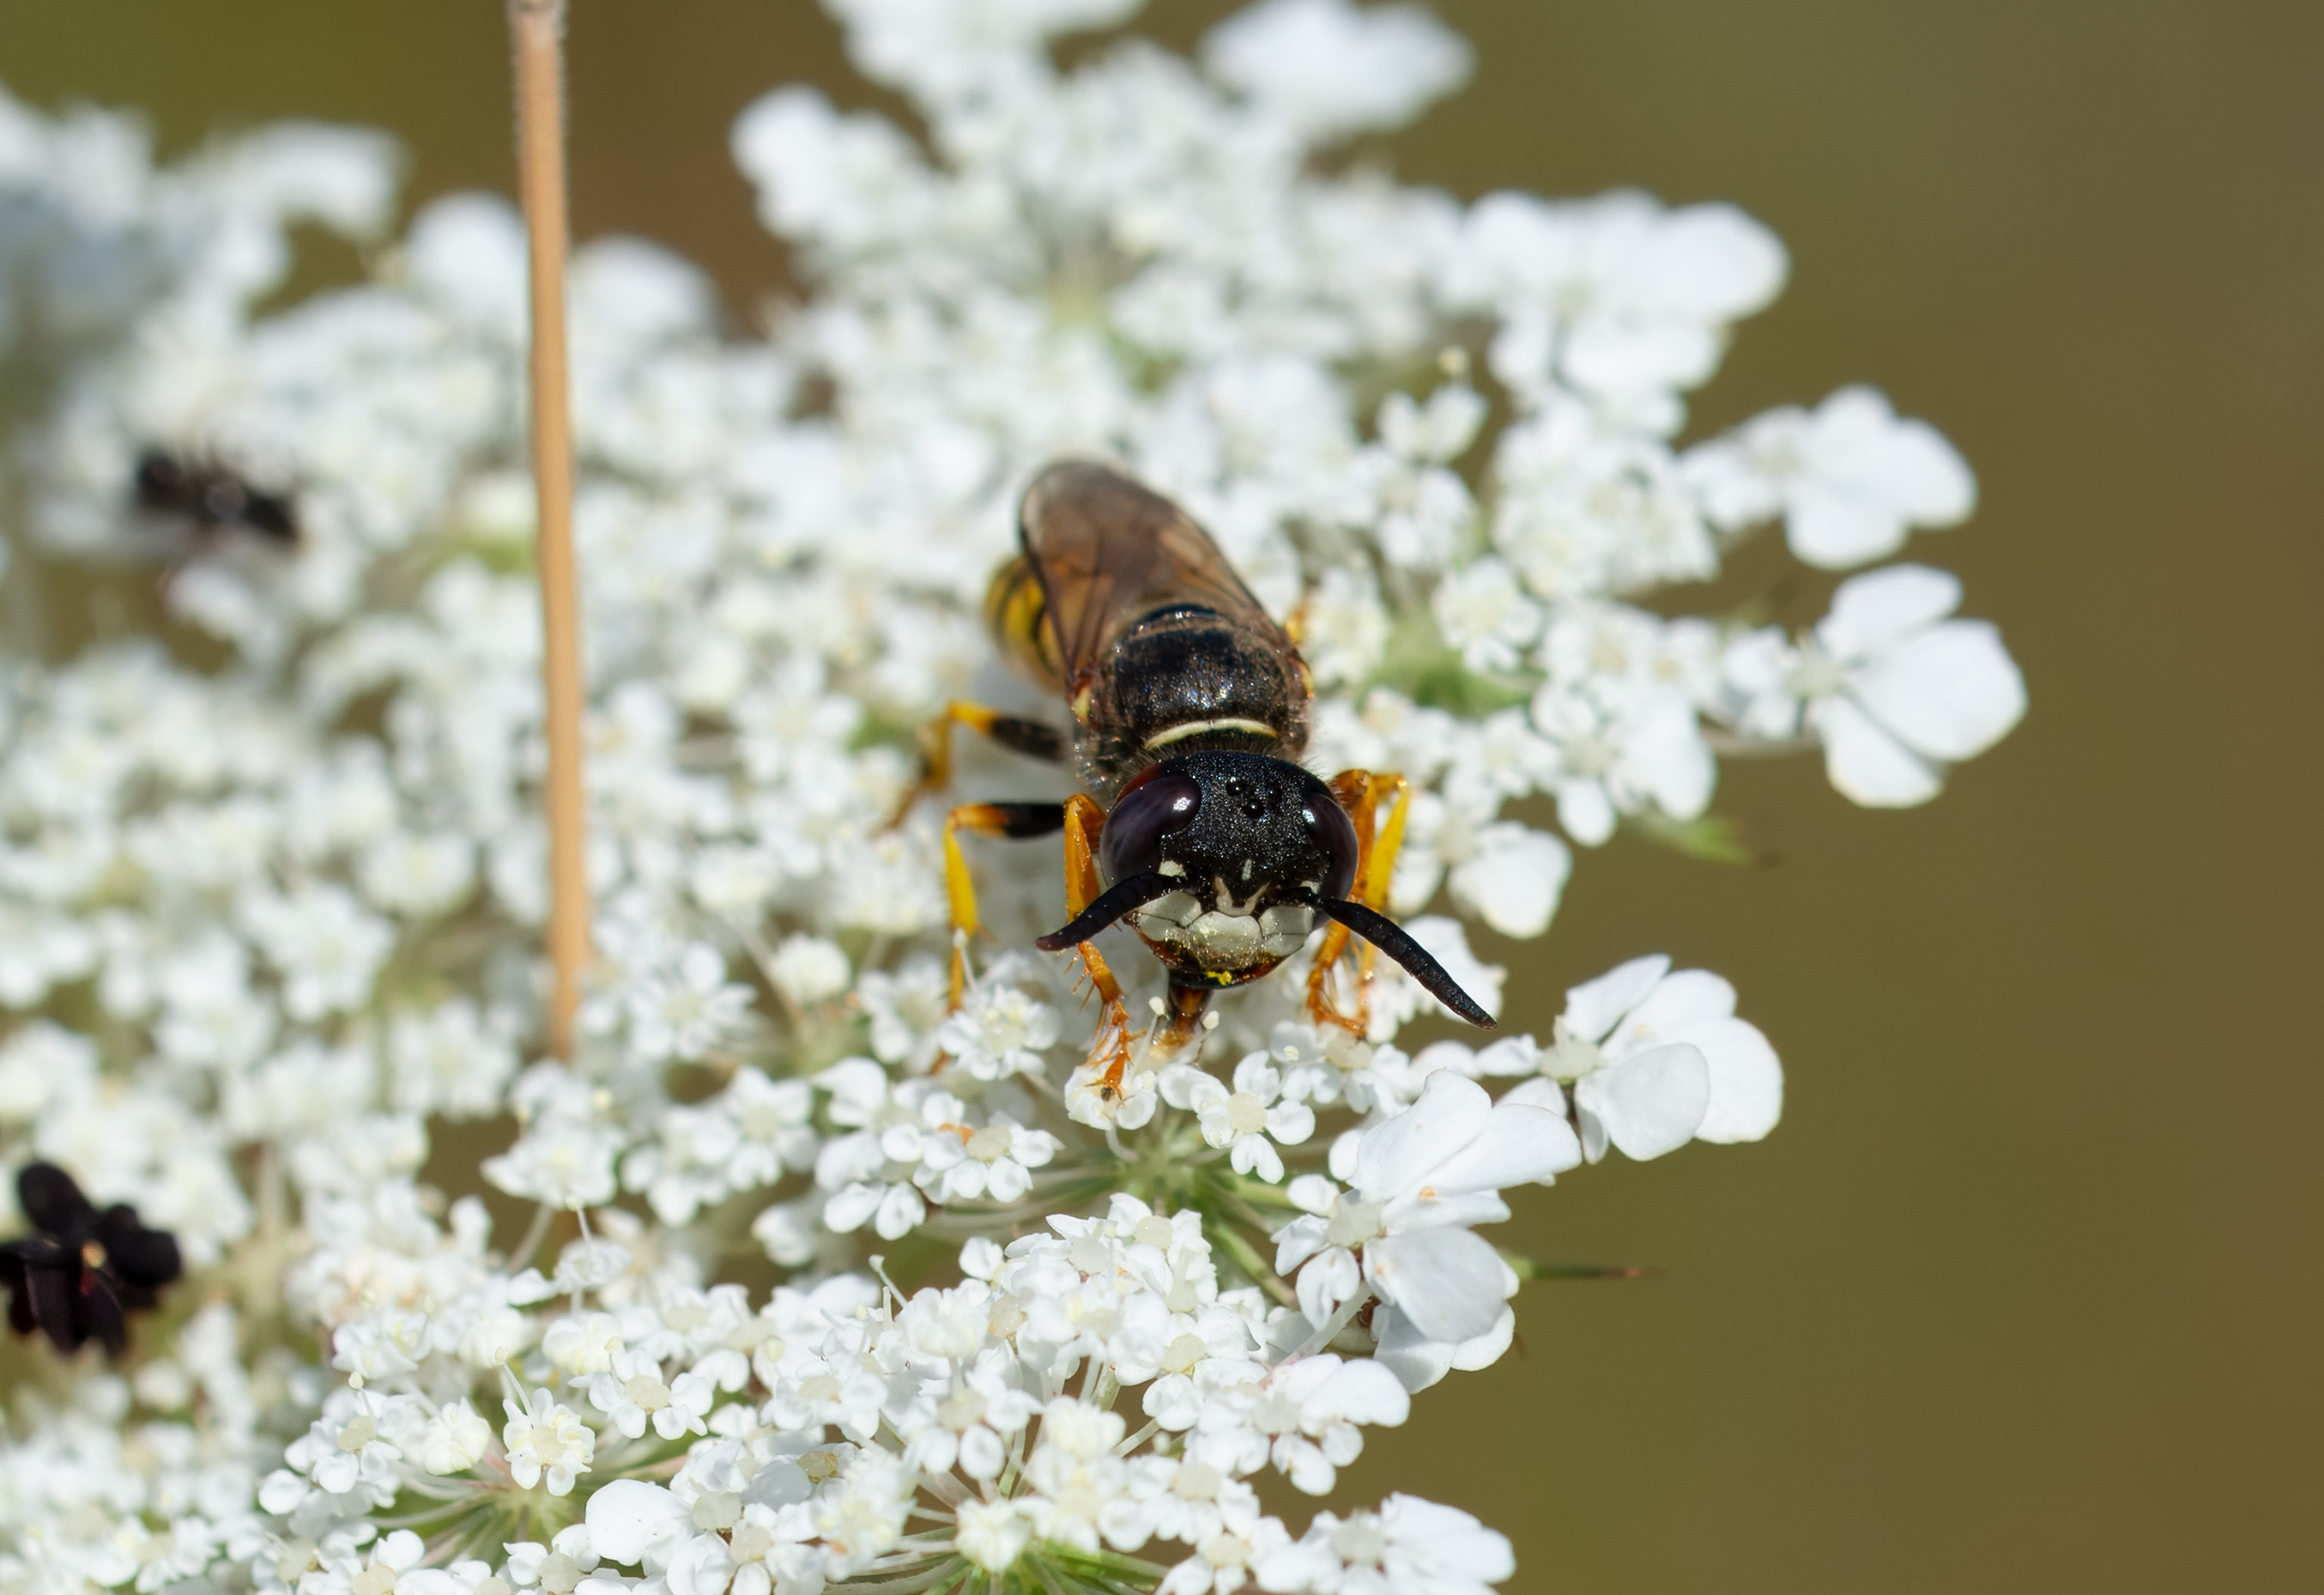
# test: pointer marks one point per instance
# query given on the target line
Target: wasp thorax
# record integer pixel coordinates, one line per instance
(1256, 841)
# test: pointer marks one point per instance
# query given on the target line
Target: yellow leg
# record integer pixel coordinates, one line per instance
(1110, 1048)
(1029, 737)
(1378, 842)
(1011, 819)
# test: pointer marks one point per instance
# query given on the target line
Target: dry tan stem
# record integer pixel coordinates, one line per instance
(536, 30)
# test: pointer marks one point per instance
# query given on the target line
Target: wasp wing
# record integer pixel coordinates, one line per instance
(1108, 551)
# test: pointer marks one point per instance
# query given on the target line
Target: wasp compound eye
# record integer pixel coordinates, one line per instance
(1132, 842)
(1336, 833)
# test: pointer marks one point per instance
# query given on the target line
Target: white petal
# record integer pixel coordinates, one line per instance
(980, 1456)
(1650, 1103)
(1301, 1238)
(1856, 439)
(1256, 1154)
(468, 251)
(1868, 764)
(1594, 1008)
(1464, 1554)
(1626, 357)
(1929, 478)
(1688, 997)
(1512, 882)
(1665, 756)
(1727, 482)
(1510, 1055)
(1171, 1401)
(1417, 1361)
(1540, 1091)
(1484, 1350)
(1871, 611)
(1585, 811)
(1746, 1081)
(1711, 262)
(850, 1207)
(1256, 1075)
(780, 1483)
(1311, 1193)
(1448, 1282)
(1427, 1209)
(1290, 1123)
(1328, 68)
(628, 1515)
(1328, 1279)
(1950, 692)
(1519, 1146)
(1396, 1157)
(1361, 1392)
(1832, 528)
(901, 1211)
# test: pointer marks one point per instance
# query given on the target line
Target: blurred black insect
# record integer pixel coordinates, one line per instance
(83, 1270)
(212, 497)
(1189, 706)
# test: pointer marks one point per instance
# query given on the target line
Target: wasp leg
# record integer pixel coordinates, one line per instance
(1029, 737)
(1377, 842)
(1110, 1048)
(1009, 820)
(1181, 1024)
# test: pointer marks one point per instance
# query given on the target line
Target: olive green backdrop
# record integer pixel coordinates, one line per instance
(2024, 1295)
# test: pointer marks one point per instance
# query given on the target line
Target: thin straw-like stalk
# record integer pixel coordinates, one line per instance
(537, 28)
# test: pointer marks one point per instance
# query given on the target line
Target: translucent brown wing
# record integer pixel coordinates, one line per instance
(1107, 551)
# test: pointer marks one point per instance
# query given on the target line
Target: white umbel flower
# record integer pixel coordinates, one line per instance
(1408, 1545)
(455, 1439)
(992, 1533)
(808, 969)
(1896, 690)
(990, 1162)
(547, 1440)
(1620, 754)
(633, 1394)
(681, 1012)
(1850, 479)
(1656, 1058)
(1248, 1121)
(1420, 1180)
(1001, 1029)
(1486, 616)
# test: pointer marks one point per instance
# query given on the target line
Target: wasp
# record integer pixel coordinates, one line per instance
(1199, 826)
(212, 497)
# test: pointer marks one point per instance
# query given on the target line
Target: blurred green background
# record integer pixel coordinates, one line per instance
(2024, 1295)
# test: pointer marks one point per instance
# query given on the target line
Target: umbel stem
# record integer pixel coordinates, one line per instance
(538, 28)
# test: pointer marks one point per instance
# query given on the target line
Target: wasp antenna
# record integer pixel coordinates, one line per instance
(1395, 941)
(1123, 896)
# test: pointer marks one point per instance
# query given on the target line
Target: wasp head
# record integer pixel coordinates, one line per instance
(1248, 845)
(1224, 861)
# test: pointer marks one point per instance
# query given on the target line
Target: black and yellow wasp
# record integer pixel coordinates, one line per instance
(1200, 828)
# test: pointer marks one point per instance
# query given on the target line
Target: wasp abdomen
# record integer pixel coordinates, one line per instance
(1187, 678)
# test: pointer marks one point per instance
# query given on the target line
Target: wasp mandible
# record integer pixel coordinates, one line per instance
(1189, 708)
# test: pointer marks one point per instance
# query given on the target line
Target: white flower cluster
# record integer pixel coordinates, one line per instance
(272, 873)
